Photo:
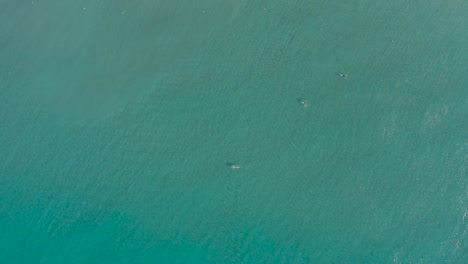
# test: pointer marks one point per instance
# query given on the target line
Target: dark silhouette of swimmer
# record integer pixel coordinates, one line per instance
(233, 166)
(303, 102)
(344, 75)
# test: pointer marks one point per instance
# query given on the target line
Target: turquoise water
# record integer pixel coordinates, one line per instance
(118, 119)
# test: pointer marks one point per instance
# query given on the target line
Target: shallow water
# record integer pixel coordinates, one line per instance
(118, 121)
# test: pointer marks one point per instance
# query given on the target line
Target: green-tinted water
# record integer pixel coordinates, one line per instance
(118, 119)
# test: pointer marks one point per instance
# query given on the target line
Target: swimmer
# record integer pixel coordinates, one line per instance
(344, 75)
(232, 165)
(303, 102)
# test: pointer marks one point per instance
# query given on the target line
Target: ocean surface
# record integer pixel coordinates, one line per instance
(119, 119)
